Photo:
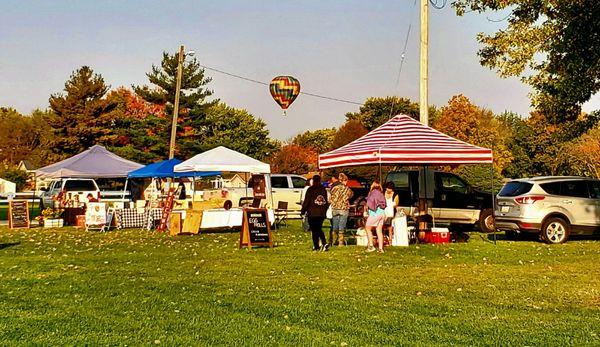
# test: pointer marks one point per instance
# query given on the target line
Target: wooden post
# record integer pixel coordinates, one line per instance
(176, 104)
(424, 79)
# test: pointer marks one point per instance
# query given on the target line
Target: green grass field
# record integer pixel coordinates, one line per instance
(133, 287)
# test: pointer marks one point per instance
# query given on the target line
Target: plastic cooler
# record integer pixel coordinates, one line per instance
(437, 235)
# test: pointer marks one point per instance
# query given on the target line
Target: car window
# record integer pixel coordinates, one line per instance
(552, 188)
(279, 182)
(400, 179)
(451, 183)
(298, 182)
(80, 185)
(515, 189)
(594, 187)
(577, 189)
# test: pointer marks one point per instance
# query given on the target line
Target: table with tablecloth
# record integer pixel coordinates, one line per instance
(137, 217)
(222, 218)
(70, 215)
(211, 218)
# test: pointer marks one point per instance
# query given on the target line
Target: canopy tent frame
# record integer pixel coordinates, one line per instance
(95, 162)
(165, 169)
(404, 141)
(225, 159)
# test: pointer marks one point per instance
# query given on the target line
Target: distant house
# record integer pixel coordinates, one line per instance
(229, 181)
(26, 166)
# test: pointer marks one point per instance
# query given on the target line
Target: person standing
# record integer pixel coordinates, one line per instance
(392, 201)
(376, 214)
(340, 205)
(315, 206)
(180, 192)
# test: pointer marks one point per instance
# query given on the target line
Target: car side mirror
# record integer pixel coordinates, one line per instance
(45, 189)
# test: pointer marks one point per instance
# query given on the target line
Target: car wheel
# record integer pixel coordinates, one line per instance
(555, 230)
(486, 221)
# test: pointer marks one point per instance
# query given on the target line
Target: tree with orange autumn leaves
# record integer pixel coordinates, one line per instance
(293, 158)
(467, 122)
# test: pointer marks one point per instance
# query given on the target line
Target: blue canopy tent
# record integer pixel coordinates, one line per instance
(164, 169)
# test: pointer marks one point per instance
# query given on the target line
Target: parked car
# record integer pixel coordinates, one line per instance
(553, 207)
(286, 188)
(454, 202)
(71, 186)
(80, 187)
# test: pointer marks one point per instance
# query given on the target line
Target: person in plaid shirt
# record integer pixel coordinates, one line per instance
(340, 204)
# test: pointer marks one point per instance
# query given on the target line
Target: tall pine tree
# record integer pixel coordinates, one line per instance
(193, 105)
(81, 114)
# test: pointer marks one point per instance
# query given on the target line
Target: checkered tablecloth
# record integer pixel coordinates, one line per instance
(137, 218)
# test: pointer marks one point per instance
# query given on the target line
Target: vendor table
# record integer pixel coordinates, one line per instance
(211, 219)
(222, 218)
(137, 218)
(71, 213)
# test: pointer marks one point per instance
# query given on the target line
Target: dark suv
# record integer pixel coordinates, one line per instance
(454, 200)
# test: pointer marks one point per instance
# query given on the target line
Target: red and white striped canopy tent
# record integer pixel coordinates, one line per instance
(403, 140)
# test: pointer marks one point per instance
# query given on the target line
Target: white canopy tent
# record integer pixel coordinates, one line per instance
(223, 159)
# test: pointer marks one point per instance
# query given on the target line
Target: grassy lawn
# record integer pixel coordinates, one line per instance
(133, 287)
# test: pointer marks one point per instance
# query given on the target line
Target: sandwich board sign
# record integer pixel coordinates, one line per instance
(256, 230)
(18, 214)
(95, 216)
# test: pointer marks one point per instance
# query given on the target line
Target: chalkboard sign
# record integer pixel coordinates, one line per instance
(18, 214)
(256, 230)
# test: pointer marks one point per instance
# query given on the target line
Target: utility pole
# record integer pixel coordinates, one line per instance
(176, 104)
(424, 61)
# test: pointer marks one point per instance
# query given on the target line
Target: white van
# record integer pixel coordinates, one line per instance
(286, 188)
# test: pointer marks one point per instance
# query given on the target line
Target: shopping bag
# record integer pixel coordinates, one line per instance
(305, 225)
(329, 213)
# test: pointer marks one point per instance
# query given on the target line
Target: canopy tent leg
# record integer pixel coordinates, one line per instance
(493, 200)
(246, 179)
(270, 191)
(33, 196)
(124, 191)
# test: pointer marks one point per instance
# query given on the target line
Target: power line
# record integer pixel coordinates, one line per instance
(403, 56)
(266, 84)
(438, 4)
(405, 45)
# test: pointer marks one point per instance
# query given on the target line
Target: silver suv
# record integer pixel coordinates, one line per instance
(554, 207)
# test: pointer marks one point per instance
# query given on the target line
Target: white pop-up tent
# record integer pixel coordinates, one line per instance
(227, 160)
(223, 159)
(96, 162)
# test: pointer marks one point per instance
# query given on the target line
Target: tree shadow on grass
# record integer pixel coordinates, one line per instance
(9, 244)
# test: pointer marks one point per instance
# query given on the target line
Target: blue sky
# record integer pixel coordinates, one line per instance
(344, 49)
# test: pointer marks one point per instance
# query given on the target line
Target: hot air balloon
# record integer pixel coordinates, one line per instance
(284, 89)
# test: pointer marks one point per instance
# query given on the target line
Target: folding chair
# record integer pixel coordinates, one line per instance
(281, 213)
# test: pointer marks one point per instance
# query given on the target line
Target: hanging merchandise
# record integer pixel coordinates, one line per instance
(285, 90)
